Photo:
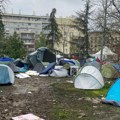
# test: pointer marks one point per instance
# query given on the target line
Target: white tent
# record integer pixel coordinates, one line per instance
(89, 77)
(106, 52)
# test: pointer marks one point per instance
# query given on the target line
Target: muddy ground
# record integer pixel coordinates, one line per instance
(37, 95)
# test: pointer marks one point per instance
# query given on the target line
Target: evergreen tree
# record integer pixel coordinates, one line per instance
(15, 47)
(2, 39)
(81, 24)
(1, 28)
(54, 34)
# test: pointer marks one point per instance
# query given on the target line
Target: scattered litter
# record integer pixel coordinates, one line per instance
(102, 98)
(70, 81)
(29, 92)
(27, 117)
(22, 75)
(43, 75)
(32, 72)
(94, 106)
(87, 99)
(1, 91)
(96, 101)
(82, 115)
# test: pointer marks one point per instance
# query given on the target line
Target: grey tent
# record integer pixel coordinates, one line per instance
(13, 67)
(93, 63)
(6, 75)
(39, 67)
(42, 54)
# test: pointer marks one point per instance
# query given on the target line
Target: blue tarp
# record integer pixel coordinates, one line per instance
(70, 61)
(4, 59)
(49, 67)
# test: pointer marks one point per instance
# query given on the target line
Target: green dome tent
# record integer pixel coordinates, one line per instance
(108, 71)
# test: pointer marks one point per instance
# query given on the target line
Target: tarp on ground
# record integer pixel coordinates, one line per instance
(59, 72)
(113, 95)
(42, 54)
(89, 77)
(6, 75)
(48, 68)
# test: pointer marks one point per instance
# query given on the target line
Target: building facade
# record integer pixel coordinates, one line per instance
(68, 32)
(28, 27)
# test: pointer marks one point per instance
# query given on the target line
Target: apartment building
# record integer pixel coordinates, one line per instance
(30, 26)
(27, 26)
(68, 32)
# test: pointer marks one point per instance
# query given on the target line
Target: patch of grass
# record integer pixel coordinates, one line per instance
(60, 113)
(67, 105)
(64, 89)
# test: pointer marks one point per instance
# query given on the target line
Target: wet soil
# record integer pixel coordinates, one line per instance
(30, 95)
(39, 95)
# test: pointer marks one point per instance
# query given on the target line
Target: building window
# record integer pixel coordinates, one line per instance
(91, 38)
(29, 24)
(66, 50)
(17, 28)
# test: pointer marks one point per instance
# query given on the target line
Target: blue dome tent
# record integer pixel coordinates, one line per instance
(113, 95)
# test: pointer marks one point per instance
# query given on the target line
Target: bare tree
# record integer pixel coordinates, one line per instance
(103, 22)
(105, 4)
(116, 4)
(2, 5)
(2, 32)
(114, 15)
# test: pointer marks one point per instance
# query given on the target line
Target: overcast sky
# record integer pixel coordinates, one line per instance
(64, 8)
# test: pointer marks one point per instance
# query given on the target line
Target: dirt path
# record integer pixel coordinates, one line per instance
(36, 95)
(31, 95)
